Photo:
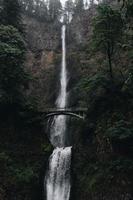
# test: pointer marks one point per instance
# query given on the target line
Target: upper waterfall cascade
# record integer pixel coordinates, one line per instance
(58, 175)
(57, 136)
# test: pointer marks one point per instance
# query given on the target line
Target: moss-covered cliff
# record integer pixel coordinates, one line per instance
(43, 60)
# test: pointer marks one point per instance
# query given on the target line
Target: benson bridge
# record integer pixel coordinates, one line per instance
(74, 112)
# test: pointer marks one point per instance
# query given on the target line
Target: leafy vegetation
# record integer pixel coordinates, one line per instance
(11, 14)
(13, 78)
(121, 131)
(46, 11)
(102, 160)
(20, 123)
(107, 35)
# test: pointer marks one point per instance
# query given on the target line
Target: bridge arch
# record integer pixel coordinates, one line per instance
(65, 113)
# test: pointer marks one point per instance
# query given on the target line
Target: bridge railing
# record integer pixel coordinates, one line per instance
(79, 109)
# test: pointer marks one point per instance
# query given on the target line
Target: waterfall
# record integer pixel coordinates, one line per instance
(57, 180)
(58, 177)
(57, 136)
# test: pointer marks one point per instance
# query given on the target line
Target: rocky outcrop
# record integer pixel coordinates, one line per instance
(42, 60)
(41, 35)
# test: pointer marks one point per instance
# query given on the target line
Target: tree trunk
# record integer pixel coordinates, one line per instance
(110, 61)
(110, 66)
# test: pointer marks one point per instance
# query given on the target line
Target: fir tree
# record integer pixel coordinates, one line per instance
(11, 14)
(12, 56)
(54, 9)
(107, 32)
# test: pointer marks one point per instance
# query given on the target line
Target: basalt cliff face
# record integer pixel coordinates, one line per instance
(43, 59)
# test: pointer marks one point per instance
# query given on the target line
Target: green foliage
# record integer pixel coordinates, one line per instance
(129, 11)
(11, 14)
(25, 175)
(54, 9)
(123, 165)
(92, 83)
(47, 11)
(107, 31)
(12, 75)
(18, 174)
(127, 7)
(35, 8)
(107, 27)
(4, 157)
(93, 87)
(128, 84)
(47, 148)
(121, 130)
(130, 54)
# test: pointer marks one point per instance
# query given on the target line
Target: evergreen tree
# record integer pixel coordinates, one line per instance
(1, 8)
(107, 31)
(1, 4)
(35, 8)
(55, 8)
(41, 11)
(69, 9)
(11, 14)
(12, 56)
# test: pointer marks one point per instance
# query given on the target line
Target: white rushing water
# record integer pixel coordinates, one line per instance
(58, 177)
(57, 136)
(58, 174)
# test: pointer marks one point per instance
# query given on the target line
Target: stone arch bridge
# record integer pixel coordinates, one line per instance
(73, 112)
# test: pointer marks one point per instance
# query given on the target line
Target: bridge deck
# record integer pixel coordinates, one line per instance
(54, 110)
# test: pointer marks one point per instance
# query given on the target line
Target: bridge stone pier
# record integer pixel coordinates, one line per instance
(73, 112)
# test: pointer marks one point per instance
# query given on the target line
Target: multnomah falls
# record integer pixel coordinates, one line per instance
(57, 181)
(66, 99)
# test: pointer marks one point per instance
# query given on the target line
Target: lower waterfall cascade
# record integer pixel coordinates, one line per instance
(57, 180)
